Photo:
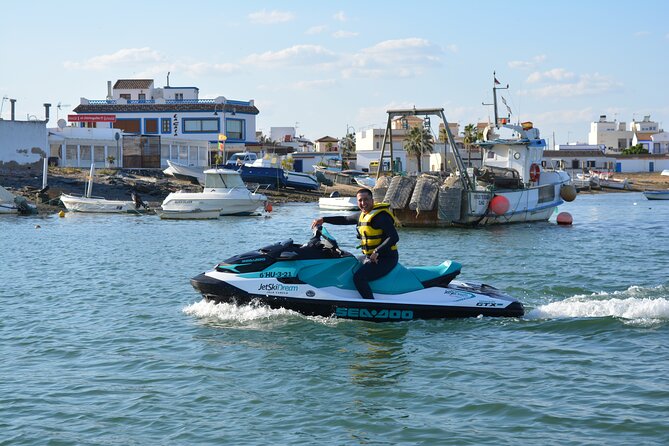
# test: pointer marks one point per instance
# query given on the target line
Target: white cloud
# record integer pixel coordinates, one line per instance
(340, 16)
(265, 17)
(314, 84)
(316, 29)
(641, 34)
(294, 55)
(527, 64)
(394, 58)
(583, 85)
(121, 57)
(556, 74)
(344, 34)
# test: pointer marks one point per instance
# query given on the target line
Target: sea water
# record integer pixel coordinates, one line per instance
(104, 341)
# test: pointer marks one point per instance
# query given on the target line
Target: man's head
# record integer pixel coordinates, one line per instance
(365, 200)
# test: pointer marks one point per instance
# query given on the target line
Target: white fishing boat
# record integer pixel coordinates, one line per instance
(188, 173)
(365, 181)
(656, 194)
(511, 185)
(606, 179)
(338, 203)
(223, 190)
(90, 204)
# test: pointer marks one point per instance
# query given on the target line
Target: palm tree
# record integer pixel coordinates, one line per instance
(347, 146)
(418, 142)
(471, 135)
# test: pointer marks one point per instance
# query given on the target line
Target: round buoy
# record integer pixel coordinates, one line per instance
(568, 192)
(499, 204)
(61, 214)
(564, 218)
(268, 207)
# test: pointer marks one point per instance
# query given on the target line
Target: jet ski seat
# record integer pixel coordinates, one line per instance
(439, 275)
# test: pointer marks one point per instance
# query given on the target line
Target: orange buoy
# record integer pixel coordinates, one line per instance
(268, 207)
(564, 218)
(499, 204)
(535, 172)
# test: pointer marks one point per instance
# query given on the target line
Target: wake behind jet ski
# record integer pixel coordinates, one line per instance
(316, 279)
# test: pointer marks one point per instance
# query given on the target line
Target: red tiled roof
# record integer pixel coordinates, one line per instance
(133, 84)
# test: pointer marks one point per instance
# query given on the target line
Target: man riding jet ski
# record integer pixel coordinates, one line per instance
(316, 279)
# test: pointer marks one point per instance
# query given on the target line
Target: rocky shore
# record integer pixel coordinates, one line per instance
(118, 184)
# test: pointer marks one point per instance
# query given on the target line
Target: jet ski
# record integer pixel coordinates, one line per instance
(316, 279)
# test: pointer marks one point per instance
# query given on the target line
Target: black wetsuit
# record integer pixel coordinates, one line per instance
(387, 258)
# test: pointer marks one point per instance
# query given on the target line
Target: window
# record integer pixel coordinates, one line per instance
(165, 125)
(234, 128)
(151, 125)
(178, 96)
(207, 125)
(125, 96)
(128, 125)
(142, 97)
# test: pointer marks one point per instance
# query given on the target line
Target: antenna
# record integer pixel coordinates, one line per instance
(4, 98)
(59, 107)
(494, 95)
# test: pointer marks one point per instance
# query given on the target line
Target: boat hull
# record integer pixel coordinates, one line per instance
(338, 204)
(233, 202)
(458, 300)
(97, 205)
(195, 214)
(302, 181)
(656, 194)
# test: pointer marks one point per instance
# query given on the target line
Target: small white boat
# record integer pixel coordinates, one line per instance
(338, 203)
(365, 181)
(99, 205)
(183, 172)
(224, 191)
(190, 214)
(657, 194)
(665, 172)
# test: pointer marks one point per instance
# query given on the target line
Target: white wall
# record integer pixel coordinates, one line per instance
(23, 141)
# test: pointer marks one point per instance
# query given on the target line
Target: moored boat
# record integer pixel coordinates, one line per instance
(89, 204)
(656, 194)
(510, 186)
(338, 203)
(223, 190)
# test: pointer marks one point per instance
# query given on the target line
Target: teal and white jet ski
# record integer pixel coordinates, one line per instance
(316, 279)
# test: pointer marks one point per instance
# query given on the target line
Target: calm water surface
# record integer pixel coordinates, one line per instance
(104, 341)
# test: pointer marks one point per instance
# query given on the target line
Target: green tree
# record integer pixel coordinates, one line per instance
(347, 147)
(418, 142)
(637, 149)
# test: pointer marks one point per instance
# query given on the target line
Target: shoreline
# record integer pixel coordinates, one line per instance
(153, 185)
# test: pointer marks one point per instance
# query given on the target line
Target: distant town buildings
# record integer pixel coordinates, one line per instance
(616, 136)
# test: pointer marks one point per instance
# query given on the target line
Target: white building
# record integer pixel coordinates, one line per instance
(23, 142)
(615, 136)
(175, 118)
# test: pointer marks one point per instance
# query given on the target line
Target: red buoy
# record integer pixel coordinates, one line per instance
(268, 207)
(564, 218)
(499, 204)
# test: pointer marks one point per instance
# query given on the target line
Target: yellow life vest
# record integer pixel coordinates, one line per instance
(371, 238)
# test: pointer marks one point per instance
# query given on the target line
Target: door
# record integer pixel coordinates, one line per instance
(298, 166)
(619, 167)
(651, 166)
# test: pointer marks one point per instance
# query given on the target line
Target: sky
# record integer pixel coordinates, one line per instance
(328, 67)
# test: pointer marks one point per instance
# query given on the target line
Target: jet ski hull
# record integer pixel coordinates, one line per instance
(457, 300)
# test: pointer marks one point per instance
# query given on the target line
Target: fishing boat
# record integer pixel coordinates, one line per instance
(510, 186)
(90, 204)
(224, 191)
(656, 194)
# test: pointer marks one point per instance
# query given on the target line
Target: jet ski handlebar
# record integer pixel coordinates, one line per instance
(320, 234)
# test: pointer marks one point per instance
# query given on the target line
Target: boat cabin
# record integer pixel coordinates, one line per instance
(238, 159)
(222, 179)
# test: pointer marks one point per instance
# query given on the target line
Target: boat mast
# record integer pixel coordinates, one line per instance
(494, 97)
(89, 186)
